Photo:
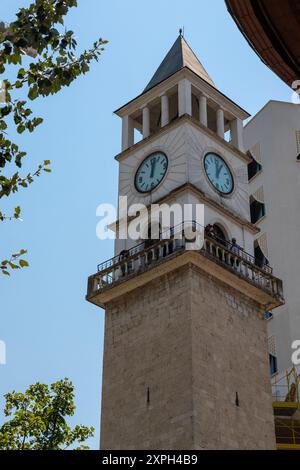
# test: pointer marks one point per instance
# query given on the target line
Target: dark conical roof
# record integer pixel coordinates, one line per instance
(180, 55)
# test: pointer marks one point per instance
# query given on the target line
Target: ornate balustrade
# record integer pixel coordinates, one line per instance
(142, 257)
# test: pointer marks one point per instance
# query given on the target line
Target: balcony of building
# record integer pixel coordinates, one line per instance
(151, 258)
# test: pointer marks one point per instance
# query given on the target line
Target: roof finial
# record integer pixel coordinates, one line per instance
(181, 32)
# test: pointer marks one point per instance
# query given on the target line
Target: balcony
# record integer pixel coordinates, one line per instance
(215, 256)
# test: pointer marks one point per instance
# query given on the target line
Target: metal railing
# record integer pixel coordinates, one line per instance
(286, 404)
(285, 387)
(169, 234)
(287, 432)
(142, 257)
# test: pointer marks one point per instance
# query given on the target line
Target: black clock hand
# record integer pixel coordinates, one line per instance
(153, 163)
(218, 169)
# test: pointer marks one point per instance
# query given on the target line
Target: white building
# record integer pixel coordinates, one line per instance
(273, 138)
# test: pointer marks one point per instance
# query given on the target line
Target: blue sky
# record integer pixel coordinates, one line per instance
(51, 332)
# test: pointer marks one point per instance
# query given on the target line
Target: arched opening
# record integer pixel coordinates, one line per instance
(220, 234)
(260, 259)
(153, 234)
(257, 210)
(216, 232)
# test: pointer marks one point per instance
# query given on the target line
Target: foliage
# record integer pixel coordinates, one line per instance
(15, 258)
(37, 33)
(38, 419)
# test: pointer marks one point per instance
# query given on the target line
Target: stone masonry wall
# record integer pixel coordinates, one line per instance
(147, 382)
(230, 363)
(176, 352)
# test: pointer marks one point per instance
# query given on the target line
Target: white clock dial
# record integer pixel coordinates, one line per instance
(218, 173)
(151, 172)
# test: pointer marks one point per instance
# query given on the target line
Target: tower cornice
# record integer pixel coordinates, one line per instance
(178, 121)
(202, 85)
(188, 259)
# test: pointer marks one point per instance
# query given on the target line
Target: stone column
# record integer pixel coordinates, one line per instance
(203, 110)
(184, 97)
(146, 122)
(220, 123)
(165, 117)
(237, 140)
(127, 132)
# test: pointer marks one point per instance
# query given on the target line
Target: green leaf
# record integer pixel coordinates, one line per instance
(33, 93)
(21, 73)
(17, 212)
(13, 266)
(38, 121)
(23, 263)
(21, 128)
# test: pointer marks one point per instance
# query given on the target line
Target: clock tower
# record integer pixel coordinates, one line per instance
(185, 353)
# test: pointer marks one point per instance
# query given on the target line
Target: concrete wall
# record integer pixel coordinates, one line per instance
(274, 129)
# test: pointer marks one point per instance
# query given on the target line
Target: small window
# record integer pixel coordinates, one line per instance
(257, 210)
(260, 259)
(253, 168)
(273, 364)
(268, 315)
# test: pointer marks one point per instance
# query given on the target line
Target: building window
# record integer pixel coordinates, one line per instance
(298, 144)
(260, 258)
(272, 355)
(253, 168)
(257, 210)
(273, 364)
(268, 315)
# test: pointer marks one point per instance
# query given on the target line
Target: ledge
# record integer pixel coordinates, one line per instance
(185, 118)
(235, 271)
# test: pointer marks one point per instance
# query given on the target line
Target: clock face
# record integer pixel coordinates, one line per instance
(218, 173)
(151, 172)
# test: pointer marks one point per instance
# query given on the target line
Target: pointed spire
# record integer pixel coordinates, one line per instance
(180, 55)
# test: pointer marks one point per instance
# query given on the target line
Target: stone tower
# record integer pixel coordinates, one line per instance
(185, 355)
